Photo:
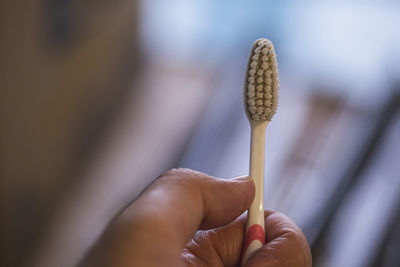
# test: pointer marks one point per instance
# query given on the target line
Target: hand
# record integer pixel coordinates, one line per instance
(186, 218)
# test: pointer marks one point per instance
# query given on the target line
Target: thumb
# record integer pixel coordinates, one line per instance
(183, 201)
(154, 229)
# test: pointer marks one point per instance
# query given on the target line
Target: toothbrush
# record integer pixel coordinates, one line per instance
(260, 101)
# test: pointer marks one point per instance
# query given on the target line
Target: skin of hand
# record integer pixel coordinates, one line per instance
(187, 218)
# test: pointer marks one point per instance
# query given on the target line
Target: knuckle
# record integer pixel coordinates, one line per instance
(204, 238)
(302, 251)
(171, 172)
(187, 179)
(182, 174)
(177, 172)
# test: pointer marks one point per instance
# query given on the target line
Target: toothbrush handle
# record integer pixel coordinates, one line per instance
(254, 237)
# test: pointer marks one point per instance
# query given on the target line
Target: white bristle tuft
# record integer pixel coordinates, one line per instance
(262, 82)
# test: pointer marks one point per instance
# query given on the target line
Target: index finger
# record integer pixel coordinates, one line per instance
(286, 244)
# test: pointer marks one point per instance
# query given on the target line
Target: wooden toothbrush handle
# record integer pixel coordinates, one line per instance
(254, 237)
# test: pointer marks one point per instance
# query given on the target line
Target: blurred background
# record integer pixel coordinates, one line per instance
(100, 97)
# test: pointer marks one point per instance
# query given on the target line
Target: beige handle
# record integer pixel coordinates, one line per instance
(256, 211)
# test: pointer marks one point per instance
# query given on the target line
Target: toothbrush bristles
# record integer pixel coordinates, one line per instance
(262, 82)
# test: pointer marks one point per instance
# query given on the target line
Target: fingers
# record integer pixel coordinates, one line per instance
(216, 247)
(183, 201)
(286, 244)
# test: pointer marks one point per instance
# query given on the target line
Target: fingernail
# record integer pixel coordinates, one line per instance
(243, 178)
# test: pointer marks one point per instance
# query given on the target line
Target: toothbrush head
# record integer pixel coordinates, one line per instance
(262, 82)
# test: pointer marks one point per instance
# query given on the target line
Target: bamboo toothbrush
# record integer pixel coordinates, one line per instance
(260, 101)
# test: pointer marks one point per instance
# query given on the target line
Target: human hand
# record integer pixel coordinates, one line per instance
(186, 218)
